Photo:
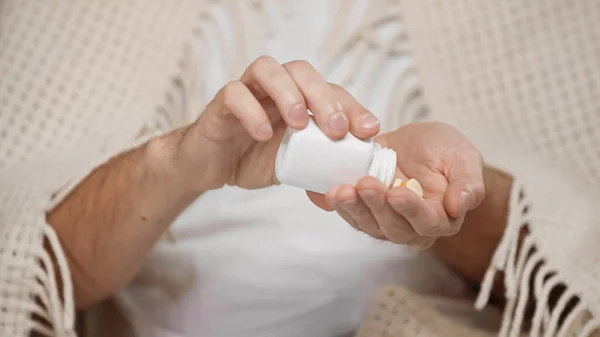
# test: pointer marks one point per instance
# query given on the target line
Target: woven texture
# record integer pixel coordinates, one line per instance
(81, 81)
(399, 312)
(522, 80)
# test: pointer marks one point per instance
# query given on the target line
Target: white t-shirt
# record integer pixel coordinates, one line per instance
(268, 262)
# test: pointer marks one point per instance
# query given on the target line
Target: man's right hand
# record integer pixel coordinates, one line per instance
(236, 138)
(109, 223)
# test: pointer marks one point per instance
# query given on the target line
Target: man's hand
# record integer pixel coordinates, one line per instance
(235, 140)
(450, 171)
(109, 223)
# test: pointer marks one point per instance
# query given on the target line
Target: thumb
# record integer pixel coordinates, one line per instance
(319, 200)
(465, 189)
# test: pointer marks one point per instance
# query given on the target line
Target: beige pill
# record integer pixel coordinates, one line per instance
(414, 186)
(411, 184)
(398, 182)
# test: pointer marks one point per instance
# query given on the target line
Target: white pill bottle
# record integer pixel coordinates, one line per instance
(310, 160)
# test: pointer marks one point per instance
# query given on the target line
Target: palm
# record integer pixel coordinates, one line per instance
(421, 158)
(256, 165)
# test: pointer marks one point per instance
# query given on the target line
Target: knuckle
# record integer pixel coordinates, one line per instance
(428, 229)
(356, 213)
(263, 67)
(411, 238)
(231, 92)
(400, 202)
(479, 157)
(397, 240)
(427, 244)
(399, 237)
(417, 242)
(372, 231)
(262, 62)
(479, 191)
(406, 208)
(354, 225)
(336, 87)
(451, 228)
(379, 236)
(432, 226)
(472, 154)
(298, 66)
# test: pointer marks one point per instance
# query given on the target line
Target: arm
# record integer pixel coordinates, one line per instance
(470, 251)
(109, 223)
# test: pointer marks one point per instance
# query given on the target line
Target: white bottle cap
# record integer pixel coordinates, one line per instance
(383, 165)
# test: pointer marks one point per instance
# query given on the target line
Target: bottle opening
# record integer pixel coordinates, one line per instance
(383, 165)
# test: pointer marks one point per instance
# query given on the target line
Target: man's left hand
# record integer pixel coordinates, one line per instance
(446, 164)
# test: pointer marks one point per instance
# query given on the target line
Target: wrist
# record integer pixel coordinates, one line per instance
(470, 251)
(498, 185)
(164, 153)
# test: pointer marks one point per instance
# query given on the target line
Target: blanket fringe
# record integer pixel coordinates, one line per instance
(38, 294)
(182, 99)
(527, 277)
(556, 314)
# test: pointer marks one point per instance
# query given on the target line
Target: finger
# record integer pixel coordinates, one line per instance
(466, 188)
(265, 77)
(329, 200)
(454, 225)
(390, 223)
(363, 124)
(422, 217)
(348, 218)
(427, 244)
(320, 98)
(422, 244)
(236, 99)
(319, 200)
(346, 201)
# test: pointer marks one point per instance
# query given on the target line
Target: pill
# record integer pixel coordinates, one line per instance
(398, 182)
(411, 184)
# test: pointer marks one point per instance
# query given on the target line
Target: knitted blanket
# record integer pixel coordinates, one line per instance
(81, 81)
(522, 80)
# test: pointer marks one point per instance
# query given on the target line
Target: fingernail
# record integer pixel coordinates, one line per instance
(298, 114)
(338, 123)
(369, 121)
(464, 202)
(264, 131)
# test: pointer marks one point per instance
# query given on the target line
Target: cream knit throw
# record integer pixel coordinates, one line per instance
(79, 82)
(522, 80)
(83, 80)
